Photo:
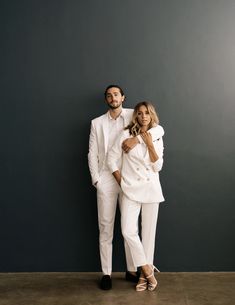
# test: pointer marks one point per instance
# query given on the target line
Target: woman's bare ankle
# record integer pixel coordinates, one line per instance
(146, 269)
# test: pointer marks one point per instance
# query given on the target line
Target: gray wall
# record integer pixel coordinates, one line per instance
(56, 59)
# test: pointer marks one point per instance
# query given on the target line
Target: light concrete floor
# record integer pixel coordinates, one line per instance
(67, 288)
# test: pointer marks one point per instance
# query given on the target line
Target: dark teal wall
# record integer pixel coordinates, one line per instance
(56, 59)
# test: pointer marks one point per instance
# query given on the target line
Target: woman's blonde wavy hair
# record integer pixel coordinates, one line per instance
(134, 127)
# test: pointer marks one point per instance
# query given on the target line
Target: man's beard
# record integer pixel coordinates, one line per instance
(114, 106)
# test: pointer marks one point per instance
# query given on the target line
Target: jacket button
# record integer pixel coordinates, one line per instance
(137, 168)
(138, 179)
(147, 168)
(148, 179)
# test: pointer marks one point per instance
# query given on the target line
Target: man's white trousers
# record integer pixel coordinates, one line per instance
(108, 193)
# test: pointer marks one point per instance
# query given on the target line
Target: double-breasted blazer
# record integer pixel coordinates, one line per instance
(140, 177)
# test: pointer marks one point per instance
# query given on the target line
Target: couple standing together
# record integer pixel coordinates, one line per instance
(125, 156)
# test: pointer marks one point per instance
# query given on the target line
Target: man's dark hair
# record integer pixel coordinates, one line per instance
(113, 86)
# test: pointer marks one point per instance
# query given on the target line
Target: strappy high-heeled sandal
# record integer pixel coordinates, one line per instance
(152, 286)
(155, 268)
(142, 286)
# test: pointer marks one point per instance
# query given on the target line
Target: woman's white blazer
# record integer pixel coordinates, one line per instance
(140, 177)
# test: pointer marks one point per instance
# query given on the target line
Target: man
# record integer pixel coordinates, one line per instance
(104, 131)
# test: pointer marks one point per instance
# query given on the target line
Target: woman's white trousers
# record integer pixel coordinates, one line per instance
(142, 250)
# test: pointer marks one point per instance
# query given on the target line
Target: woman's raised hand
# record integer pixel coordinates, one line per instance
(147, 138)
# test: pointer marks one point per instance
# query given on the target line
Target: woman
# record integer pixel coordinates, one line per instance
(139, 181)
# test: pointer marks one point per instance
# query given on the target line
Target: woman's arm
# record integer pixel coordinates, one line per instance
(117, 176)
(147, 138)
(155, 151)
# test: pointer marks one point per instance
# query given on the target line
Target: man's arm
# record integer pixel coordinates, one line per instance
(157, 132)
(129, 143)
(93, 155)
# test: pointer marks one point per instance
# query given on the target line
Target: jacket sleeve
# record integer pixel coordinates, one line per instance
(159, 147)
(93, 155)
(115, 154)
(156, 132)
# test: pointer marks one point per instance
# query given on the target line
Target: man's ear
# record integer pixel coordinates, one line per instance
(123, 98)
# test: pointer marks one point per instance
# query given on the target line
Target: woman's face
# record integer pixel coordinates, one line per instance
(143, 116)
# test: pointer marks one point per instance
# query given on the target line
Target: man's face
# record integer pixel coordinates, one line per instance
(114, 98)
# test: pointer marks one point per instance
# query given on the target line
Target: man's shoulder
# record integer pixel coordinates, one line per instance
(99, 118)
(127, 110)
(127, 113)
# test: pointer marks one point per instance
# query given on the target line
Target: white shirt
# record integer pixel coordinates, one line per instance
(116, 126)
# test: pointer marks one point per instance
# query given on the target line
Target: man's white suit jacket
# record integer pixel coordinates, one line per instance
(98, 142)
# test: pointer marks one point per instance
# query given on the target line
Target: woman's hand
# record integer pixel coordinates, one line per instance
(147, 138)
